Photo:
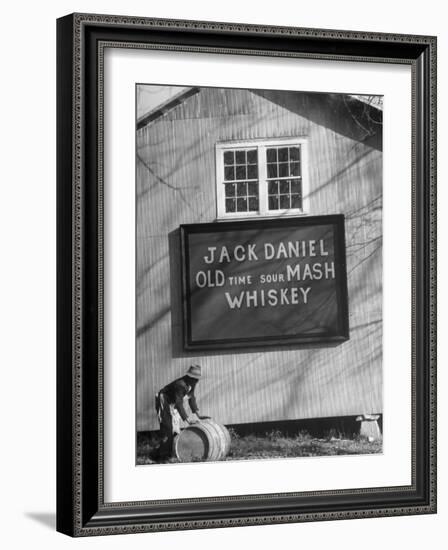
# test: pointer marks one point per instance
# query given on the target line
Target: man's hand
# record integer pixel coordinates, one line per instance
(200, 416)
(192, 419)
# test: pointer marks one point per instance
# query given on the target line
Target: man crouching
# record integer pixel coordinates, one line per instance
(170, 407)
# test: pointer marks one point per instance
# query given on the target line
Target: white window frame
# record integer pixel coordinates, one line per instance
(261, 145)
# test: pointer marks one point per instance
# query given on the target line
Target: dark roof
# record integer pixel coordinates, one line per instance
(364, 113)
(165, 107)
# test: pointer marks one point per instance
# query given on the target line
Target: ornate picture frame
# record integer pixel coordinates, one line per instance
(81, 506)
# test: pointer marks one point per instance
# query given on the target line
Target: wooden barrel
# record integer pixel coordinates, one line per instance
(225, 432)
(206, 440)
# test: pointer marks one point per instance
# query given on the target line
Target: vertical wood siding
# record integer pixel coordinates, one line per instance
(176, 184)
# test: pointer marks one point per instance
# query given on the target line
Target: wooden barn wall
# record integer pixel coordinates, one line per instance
(176, 184)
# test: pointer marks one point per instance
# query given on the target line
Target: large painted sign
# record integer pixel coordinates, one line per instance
(264, 283)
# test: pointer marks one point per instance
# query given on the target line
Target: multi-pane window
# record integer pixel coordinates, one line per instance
(241, 180)
(284, 178)
(264, 178)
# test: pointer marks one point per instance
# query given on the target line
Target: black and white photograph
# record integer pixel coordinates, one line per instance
(258, 274)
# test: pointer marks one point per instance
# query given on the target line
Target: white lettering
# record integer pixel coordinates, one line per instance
(323, 252)
(281, 252)
(273, 300)
(283, 295)
(329, 270)
(251, 252)
(317, 271)
(251, 297)
(292, 273)
(307, 272)
(294, 295)
(293, 249)
(210, 259)
(305, 293)
(201, 279)
(219, 278)
(269, 251)
(235, 301)
(236, 250)
(224, 255)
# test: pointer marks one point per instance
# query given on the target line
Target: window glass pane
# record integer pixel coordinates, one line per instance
(230, 205)
(284, 186)
(252, 172)
(253, 188)
(284, 201)
(272, 171)
(253, 204)
(283, 154)
(230, 189)
(252, 157)
(241, 189)
(273, 203)
(240, 157)
(229, 157)
(296, 187)
(294, 153)
(240, 173)
(271, 155)
(229, 173)
(273, 187)
(283, 170)
(241, 205)
(296, 201)
(294, 169)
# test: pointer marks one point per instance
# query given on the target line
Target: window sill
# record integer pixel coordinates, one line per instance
(256, 215)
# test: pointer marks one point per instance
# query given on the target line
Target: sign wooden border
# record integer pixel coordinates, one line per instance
(337, 220)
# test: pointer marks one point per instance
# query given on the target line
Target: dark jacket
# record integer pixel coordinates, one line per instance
(177, 390)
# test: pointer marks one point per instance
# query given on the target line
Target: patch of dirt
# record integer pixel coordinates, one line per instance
(273, 445)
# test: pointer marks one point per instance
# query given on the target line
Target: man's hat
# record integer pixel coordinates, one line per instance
(194, 371)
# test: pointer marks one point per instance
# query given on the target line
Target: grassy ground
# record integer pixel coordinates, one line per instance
(276, 445)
